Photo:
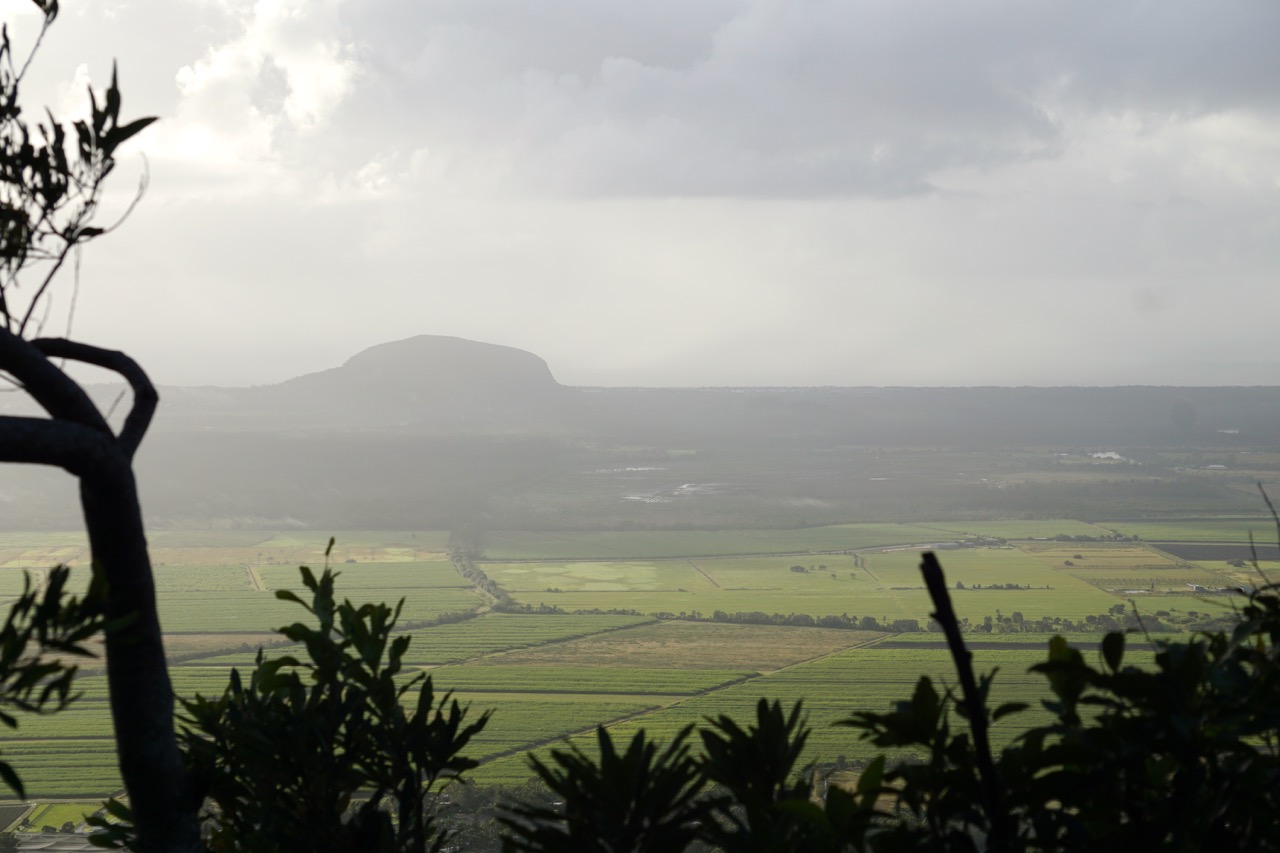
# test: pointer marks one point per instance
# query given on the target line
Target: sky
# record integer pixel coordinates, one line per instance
(701, 192)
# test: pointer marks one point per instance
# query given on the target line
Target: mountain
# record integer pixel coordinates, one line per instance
(435, 432)
(426, 384)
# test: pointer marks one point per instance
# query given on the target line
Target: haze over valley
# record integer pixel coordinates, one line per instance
(436, 432)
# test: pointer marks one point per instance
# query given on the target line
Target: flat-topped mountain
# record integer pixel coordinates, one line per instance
(428, 383)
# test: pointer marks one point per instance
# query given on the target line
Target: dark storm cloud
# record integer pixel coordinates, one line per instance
(786, 98)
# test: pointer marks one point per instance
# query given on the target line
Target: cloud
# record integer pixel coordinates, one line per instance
(790, 99)
(719, 191)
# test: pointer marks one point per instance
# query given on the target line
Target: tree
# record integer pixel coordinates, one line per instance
(52, 178)
(320, 753)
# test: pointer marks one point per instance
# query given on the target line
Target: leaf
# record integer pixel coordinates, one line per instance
(1008, 708)
(1113, 650)
(11, 779)
(869, 781)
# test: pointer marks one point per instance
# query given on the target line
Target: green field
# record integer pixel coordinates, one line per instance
(831, 689)
(528, 545)
(56, 814)
(1199, 530)
(886, 586)
(556, 675)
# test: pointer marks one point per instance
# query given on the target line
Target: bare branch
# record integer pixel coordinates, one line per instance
(73, 447)
(55, 391)
(145, 398)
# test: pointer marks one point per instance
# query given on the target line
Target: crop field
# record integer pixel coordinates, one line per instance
(13, 581)
(56, 814)
(528, 545)
(1198, 530)
(679, 646)
(583, 680)
(1019, 529)
(177, 579)
(886, 585)
(520, 720)
(552, 676)
(831, 689)
(476, 638)
(64, 767)
(407, 574)
(1096, 555)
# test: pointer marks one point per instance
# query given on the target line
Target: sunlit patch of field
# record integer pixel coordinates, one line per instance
(532, 545)
(56, 814)
(478, 637)
(402, 575)
(211, 612)
(1050, 593)
(584, 576)
(191, 645)
(885, 585)
(1198, 530)
(1018, 529)
(177, 579)
(693, 645)
(569, 678)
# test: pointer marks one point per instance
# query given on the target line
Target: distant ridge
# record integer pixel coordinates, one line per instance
(427, 383)
(434, 365)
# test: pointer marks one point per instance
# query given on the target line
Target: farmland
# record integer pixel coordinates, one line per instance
(670, 651)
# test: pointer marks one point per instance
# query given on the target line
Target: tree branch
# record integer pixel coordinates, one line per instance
(145, 398)
(75, 448)
(56, 392)
(1000, 837)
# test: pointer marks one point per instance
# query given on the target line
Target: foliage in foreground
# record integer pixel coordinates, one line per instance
(37, 624)
(322, 754)
(1179, 757)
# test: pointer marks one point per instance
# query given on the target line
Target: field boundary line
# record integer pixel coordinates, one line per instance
(556, 642)
(680, 700)
(676, 557)
(858, 645)
(539, 744)
(703, 572)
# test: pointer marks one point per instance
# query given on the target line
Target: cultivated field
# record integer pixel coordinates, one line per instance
(551, 676)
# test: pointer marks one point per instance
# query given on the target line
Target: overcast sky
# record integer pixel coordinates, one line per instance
(691, 192)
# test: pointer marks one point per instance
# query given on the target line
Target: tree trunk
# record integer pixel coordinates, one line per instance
(76, 438)
(142, 703)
